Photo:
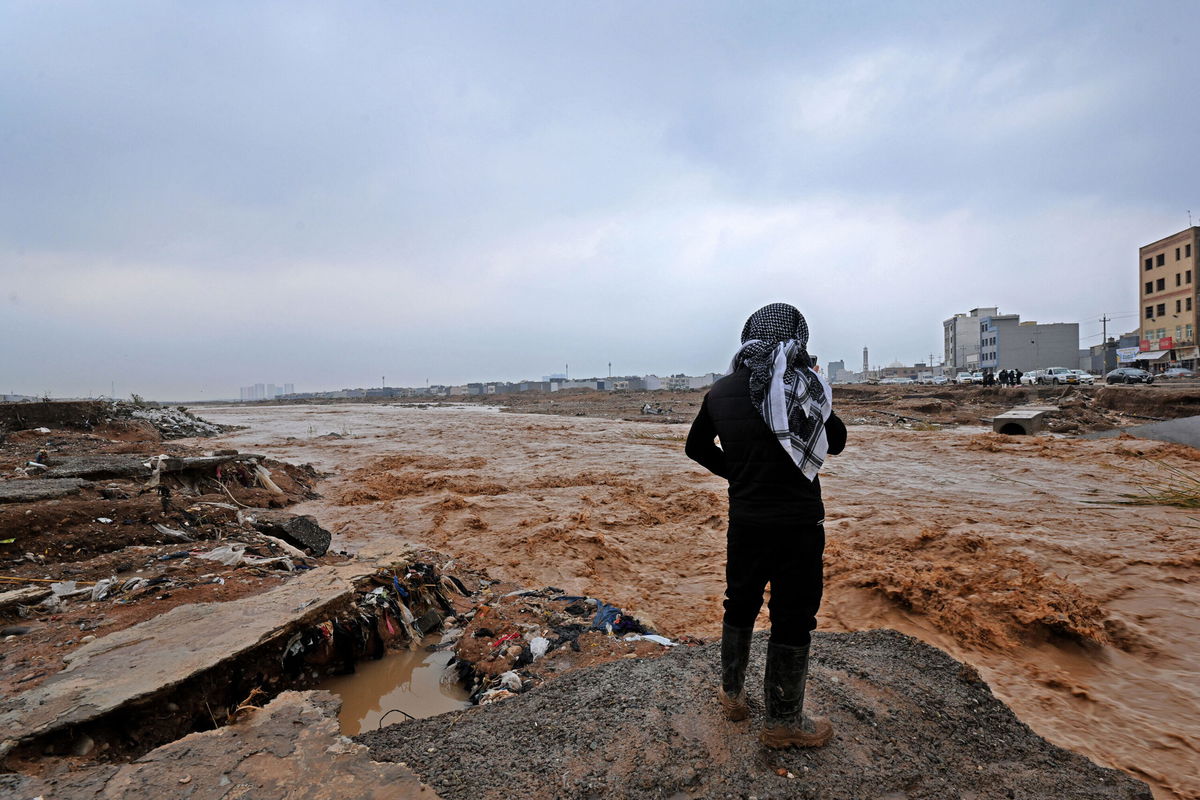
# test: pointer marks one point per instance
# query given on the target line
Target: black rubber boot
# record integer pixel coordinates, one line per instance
(786, 724)
(735, 655)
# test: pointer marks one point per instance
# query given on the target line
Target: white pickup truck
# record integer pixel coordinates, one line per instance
(1058, 375)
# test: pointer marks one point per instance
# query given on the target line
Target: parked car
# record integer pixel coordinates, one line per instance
(1057, 375)
(1031, 377)
(1178, 372)
(939, 380)
(1084, 377)
(977, 377)
(1128, 375)
(964, 377)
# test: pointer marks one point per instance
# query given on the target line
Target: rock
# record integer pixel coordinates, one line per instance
(428, 621)
(287, 750)
(15, 630)
(83, 745)
(303, 531)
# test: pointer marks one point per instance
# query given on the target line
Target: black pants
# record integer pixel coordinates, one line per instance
(787, 554)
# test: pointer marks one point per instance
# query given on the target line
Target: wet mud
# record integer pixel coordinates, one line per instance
(1017, 555)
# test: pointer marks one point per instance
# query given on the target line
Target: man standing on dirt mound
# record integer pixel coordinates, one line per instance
(774, 416)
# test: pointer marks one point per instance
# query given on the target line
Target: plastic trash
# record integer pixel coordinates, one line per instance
(538, 646)
(511, 681)
(172, 533)
(295, 552)
(134, 584)
(650, 637)
(100, 590)
(104, 520)
(494, 696)
(155, 465)
(63, 588)
(264, 477)
(229, 555)
(232, 555)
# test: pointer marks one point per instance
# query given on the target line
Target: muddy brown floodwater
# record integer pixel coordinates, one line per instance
(402, 683)
(1013, 554)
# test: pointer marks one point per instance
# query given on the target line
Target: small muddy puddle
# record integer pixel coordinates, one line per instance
(407, 680)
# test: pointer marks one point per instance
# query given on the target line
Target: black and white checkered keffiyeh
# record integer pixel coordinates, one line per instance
(794, 399)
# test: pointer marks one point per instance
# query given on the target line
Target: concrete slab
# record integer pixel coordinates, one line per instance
(35, 489)
(130, 466)
(102, 466)
(1022, 420)
(1185, 430)
(138, 662)
(288, 750)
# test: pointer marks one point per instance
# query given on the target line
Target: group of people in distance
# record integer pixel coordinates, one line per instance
(1005, 377)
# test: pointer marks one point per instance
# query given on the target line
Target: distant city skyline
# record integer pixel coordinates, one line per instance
(198, 195)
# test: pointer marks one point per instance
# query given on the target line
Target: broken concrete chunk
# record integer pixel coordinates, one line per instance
(303, 531)
(23, 597)
(263, 751)
(168, 649)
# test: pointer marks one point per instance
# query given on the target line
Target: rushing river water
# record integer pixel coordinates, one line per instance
(1081, 613)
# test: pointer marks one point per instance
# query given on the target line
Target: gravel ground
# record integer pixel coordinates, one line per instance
(910, 721)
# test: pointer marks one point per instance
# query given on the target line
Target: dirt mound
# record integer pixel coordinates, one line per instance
(981, 594)
(910, 722)
(1160, 402)
(74, 414)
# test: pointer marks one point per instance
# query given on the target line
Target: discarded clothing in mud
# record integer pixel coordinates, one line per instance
(612, 620)
(536, 634)
(375, 619)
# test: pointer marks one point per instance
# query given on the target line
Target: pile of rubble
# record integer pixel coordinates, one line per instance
(511, 643)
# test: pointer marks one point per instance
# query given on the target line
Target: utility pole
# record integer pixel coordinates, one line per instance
(1104, 320)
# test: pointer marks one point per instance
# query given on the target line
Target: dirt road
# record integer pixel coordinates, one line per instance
(1008, 553)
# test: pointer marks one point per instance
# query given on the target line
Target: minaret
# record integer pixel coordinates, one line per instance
(865, 368)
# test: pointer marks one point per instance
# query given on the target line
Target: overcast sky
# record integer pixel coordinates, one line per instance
(200, 196)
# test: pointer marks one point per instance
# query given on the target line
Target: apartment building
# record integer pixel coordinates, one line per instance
(960, 335)
(1167, 282)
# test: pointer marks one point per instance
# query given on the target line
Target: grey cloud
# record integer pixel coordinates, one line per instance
(543, 182)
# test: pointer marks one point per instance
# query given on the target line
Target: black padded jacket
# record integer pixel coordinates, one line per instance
(764, 483)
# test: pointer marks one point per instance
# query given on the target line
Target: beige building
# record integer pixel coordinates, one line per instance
(1167, 287)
